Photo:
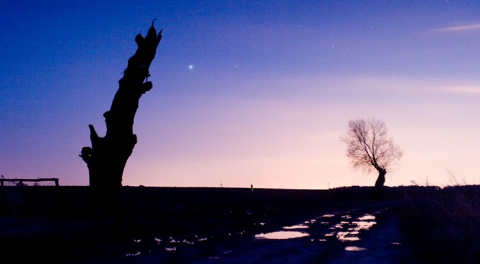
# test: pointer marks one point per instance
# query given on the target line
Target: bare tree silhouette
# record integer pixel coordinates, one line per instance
(369, 148)
(107, 156)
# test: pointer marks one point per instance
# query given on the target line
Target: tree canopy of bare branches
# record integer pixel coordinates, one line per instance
(369, 148)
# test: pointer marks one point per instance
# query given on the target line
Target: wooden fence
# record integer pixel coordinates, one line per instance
(21, 181)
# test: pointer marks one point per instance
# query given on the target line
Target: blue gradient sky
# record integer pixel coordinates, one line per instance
(245, 92)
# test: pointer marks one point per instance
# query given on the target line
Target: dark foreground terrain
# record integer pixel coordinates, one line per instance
(229, 225)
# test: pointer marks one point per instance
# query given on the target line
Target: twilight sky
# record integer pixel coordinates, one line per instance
(245, 92)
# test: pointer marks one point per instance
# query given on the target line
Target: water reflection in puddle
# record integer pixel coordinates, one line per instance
(170, 248)
(295, 227)
(188, 242)
(133, 254)
(354, 248)
(346, 230)
(287, 232)
(367, 217)
(169, 244)
(281, 235)
(347, 237)
(349, 231)
(363, 225)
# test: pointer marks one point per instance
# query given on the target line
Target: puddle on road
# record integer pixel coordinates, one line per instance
(133, 254)
(287, 232)
(170, 244)
(367, 217)
(281, 235)
(349, 231)
(346, 216)
(354, 248)
(295, 227)
(327, 216)
(347, 237)
(364, 225)
(170, 249)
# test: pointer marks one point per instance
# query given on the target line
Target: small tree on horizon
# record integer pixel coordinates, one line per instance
(369, 148)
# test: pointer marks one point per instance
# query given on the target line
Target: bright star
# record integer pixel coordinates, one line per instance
(190, 67)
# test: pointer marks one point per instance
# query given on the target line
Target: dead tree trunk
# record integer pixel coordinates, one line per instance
(107, 156)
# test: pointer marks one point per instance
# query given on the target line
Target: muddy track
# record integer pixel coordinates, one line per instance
(268, 226)
(367, 234)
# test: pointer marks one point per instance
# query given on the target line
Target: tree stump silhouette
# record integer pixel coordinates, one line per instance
(108, 155)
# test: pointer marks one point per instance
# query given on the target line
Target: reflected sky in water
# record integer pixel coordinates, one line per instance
(346, 230)
(282, 235)
(354, 248)
(295, 227)
(349, 231)
(341, 229)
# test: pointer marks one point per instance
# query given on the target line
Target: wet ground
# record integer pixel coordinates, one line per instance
(265, 226)
(371, 234)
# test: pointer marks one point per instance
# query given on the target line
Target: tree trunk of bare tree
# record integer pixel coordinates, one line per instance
(380, 182)
(107, 156)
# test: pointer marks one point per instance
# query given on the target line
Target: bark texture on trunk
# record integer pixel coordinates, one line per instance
(107, 156)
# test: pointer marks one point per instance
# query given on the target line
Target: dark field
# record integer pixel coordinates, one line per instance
(218, 225)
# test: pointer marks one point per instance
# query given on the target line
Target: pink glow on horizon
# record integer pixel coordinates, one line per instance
(270, 92)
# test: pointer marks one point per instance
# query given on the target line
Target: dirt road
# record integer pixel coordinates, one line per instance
(272, 226)
(370, 234)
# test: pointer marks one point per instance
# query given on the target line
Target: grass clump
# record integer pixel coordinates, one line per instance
(445, 223)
